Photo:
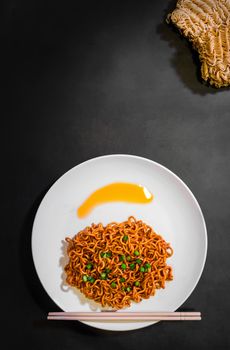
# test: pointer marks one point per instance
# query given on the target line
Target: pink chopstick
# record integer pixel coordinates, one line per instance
(127, 316)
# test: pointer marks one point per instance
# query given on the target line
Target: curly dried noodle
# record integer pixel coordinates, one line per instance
(118, 263)
(206, 23)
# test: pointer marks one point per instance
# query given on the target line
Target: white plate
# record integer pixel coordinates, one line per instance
(174, 213)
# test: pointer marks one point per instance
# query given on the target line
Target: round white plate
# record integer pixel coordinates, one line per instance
(174, 213)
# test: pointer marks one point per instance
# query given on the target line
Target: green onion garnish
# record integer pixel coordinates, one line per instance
(106, 254)
(85, 278)
(103, 275)
(138, 261)
(91, 279)
(132, 266)
(113, 285)
(122, 258)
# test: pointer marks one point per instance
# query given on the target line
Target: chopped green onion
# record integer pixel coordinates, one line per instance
(132, 266)
(123, 266)
(137, 283)
(91, 279)
(85, 278)
(107, 270)
(122, 258)
(103, 275)
(125, 238)
(128, 258)
(142, 269)
(138, 261)
(136, 253)
(128, 289)
(113, 285)
(106, 254)
(147, 267)
(89, 266)
(122, 279)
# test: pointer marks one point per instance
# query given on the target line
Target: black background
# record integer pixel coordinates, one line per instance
(91, 78)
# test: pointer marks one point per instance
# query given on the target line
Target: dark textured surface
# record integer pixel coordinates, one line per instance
(101, 78)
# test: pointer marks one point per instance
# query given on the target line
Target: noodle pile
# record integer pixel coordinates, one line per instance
(206, 23)
(118, 263)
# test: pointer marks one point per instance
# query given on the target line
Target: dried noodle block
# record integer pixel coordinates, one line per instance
(206, 23)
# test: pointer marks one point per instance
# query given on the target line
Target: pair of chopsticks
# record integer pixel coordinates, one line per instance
(126, 316)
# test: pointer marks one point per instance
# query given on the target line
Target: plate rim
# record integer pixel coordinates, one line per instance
(124, 155)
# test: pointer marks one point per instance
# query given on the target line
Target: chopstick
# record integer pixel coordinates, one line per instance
(127, 316)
